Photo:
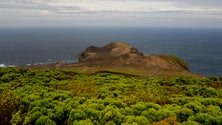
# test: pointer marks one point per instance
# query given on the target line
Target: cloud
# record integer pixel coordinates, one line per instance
(40, 5)
(114, 6)
(109, 11)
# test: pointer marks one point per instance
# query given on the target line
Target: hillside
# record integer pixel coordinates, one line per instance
(123, 58)
(50, 97)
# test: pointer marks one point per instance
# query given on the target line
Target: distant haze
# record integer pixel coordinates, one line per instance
(110, 13)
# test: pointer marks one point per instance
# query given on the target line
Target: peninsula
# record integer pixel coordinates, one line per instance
(123, 58)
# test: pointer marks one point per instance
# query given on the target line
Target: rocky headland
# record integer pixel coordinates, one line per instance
(123, 58)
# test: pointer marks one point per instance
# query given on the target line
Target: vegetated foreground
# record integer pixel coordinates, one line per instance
(50, 96)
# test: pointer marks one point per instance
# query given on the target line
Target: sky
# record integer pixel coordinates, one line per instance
(110, 13)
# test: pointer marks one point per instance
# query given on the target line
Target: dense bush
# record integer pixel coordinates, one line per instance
(44, 120)
(73, 98)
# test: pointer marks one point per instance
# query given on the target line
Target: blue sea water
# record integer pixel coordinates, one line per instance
(200, 47)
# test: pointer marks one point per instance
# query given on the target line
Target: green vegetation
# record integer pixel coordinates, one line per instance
(61, 97)
(176, 60)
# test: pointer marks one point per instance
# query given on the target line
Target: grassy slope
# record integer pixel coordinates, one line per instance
(164, 66)
(49, 96)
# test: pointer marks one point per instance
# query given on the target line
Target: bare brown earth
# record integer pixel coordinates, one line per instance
(122, 58)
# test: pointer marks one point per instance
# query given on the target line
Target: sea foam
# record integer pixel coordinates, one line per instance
(2, 65)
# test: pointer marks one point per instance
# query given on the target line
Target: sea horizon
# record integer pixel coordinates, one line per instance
(199, 47)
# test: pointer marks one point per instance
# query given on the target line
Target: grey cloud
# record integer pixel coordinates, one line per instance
(201, 3)
(46, 5)
(23, 6)
(36, 5)
(211, 3)
(211, 11)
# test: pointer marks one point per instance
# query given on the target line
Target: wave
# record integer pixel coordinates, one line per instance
(2, 65)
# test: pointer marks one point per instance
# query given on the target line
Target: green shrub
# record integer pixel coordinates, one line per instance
(212, 101)
(141, 120)
(152, 105)
(183, 114)
(34, 116)
(59, 113)
(151, 114)
(126, 111)
(83, 122)
(195, 106)
(138, 108)
(110, 123)
(136, 120)
(204, 118)
(97, 105)
(51, 114)
(92, 114)
(164, 113)
(214, 110)
(190, 123)
(110, 114)
(44, 120)
(76, 115)
(118, 104)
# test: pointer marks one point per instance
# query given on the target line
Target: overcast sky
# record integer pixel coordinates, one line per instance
(109, 13)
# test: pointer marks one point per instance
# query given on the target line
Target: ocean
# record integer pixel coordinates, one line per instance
(201, 48)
